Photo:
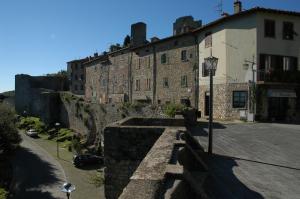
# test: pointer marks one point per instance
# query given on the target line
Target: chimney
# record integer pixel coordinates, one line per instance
(237, 6)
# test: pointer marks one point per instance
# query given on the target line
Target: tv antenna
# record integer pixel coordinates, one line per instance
(219, 7)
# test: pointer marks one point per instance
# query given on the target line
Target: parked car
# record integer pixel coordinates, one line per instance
(87, 159)
(31, 133)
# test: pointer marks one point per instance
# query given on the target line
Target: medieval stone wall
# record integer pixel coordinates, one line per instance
(125, 148)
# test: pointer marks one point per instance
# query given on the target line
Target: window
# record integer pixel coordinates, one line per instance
(103, 82)
(165, 82)
(183, 55)
(269, 28)
(269, 63)
(138, 66)
(239, 99)
(208, 40)
(290, 63)
(148, 84)
(81, 87)
(137, 85)
(191, 55)
(288, 31)
(184, 81)
(163, 58)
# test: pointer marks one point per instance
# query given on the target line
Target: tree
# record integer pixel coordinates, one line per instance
(9, 135)
(61, 73)
(126, 41)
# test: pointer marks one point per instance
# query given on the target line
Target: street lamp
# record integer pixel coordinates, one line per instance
(211, 64)
(57, 147)
(68, 188)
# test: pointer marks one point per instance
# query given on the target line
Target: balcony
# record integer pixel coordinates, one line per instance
(278, 76)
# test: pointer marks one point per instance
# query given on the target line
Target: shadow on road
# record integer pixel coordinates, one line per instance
(225, 184)
(198, 130)
(33, 176)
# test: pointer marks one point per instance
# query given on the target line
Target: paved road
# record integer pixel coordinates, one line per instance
(36, 173)
(256, 161)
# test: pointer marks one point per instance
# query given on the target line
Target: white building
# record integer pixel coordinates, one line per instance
(257, 45)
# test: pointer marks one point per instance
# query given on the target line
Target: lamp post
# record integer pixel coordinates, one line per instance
(211, 64)
(57, 147)
(68, 188)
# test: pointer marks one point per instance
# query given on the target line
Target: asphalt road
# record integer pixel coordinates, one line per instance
(255, 161)
(36, 173)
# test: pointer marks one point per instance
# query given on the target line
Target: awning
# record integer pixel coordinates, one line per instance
(282, 93)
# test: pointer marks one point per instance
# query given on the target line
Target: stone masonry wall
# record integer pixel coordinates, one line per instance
(175, 68)
(96, 87)
(124, 149)
(222, 100)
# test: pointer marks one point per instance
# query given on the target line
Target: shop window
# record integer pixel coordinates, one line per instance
(239, 99)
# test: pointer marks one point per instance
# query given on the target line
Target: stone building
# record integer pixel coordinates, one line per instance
(96, 85)
(76, 73)
(161, 71)
(258, 68)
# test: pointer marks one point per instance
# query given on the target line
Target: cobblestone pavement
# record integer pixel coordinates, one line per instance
(259, 160)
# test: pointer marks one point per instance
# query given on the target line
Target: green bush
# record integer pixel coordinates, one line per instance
(32, 123)
(3, 193)
(64, 135)
(171, 109)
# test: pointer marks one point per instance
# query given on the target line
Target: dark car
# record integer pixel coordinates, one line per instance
(87, 159)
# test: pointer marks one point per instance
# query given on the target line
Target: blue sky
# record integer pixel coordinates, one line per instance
(40, 36)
